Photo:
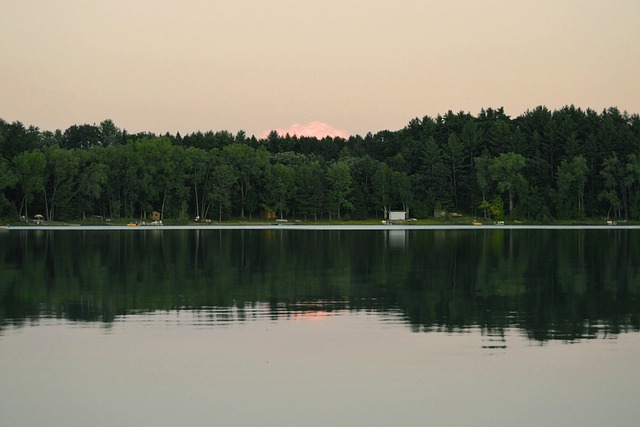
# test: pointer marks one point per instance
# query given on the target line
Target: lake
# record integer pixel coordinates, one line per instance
(281, 326)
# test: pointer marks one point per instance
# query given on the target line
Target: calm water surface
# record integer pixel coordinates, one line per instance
(289, 327)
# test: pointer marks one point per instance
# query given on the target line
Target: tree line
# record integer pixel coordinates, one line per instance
(542, 165)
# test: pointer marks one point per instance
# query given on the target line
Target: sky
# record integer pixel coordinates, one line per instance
(338, 66)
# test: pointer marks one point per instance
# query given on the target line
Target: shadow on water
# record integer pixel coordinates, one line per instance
(550, 284)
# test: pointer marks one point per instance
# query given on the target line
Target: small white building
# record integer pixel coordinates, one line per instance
(397, 215)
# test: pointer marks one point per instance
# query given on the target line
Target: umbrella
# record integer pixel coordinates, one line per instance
(38, 216)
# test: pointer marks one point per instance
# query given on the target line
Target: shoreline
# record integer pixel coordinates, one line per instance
(362, 227)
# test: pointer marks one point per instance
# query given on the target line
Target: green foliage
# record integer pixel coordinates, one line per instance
(565, 164)
(279, 187)
(571, 180)
(613, 176)
(248, 165)
(483, 176)
(92, 179)
(31, 172)
(220, 188)
(454, 154)
(493, 209)
(310, 186)
(381, 181)
(339, 186)
(63, 166)
(506, 171)
(7, 179)
(632, 184)
(496, 208)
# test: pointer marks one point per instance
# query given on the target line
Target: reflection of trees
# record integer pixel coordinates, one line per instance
(550, 284)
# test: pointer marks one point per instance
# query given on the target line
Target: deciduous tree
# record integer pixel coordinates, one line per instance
(506, 171)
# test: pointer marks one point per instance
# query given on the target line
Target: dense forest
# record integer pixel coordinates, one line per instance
(542, 165)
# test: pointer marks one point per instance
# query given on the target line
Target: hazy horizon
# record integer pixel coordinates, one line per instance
(354, 66)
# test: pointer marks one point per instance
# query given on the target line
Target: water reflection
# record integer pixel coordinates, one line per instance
(550, 284)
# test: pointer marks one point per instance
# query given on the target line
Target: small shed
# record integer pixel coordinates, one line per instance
(397, 215)
(154, 216)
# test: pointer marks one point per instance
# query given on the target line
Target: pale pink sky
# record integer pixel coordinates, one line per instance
(316, 128)
(360, 66)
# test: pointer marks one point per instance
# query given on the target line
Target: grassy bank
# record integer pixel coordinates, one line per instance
(461, 220)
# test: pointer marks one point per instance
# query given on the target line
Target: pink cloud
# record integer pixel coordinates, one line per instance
(317, 129)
